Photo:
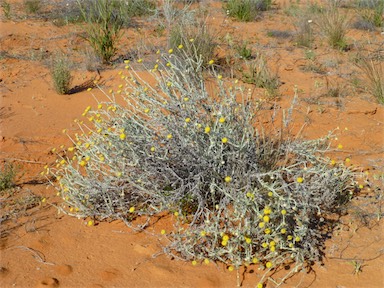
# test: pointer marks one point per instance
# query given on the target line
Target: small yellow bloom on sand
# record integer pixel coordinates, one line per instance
(176, 214)
(122, 136)
(300, 180)
(169, 136)
(224, 140)
(361, 186)
(228, 179)
(340, 146)
(44, 200)
(211, 62)
(146, 110)
(163, 232)
(187, 120)
(90, 223)
(132, 209)
(231, 268)
(255, 260)
(347, 160)
(206, 261)
(100, 106)
(194, 263)
(260, 285)
(207, 129)
(333, 162)
(70, 149)
(268, 264)
(219, 76)
(222, 120)
(89, 89)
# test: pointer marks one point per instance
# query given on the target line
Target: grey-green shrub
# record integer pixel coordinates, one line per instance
(246, 10)
(242, 191)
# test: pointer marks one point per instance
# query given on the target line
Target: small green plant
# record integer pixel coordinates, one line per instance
(243, 51)
(7, 176)
(103, 27)
(61, 73)
(370, 14)
(246, 10)
(334, 25)
(6, 7)
(259, 74)
(32, 6)
(373, 71)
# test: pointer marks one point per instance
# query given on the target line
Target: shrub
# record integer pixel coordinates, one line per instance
(241, 192)
(6, 7)
(103, 27)
(32, 6)
(370, 14)
(259, 74)
(61, 74)
(246, 10)
(7, 176)
(373, 71)
(334, 25)
(193, 42)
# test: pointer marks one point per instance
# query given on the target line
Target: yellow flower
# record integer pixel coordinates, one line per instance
(70, 149)
(122, 136)
(270, 194)
(260, 285)
(224, 140)
(289, 237)
(266, 218)
(191, 40)
(186, 99)
(272, 243)
(231, 268)
(228, 179)
(224, 243)
(267, 210)
(222, 120)
(297, 239)
(268, 264)
(87, 158)
(194, 263)
(361, 186)
(126, 61)
(264, 245)
(170, 51)
(225, 238)
(203, 233)
(163, 232)
(333, 162)
(100, 106)
(283, 231)
(146, 110)
(347, 160)
(169, 136)
(206, 261)
(340, 146)
(272, 248)
(140, 60)
(153, 149)
(168, 64)
(219, 77)
(261, 225)
(283, 212)
(207, 129)
(169, 84)
(180, 46)
(176, 214)
(187, 120)
(267, 231)
(118, 174)
(82, 163)
(211, 62)
(248, 240)
(300, 180)
(255, 260)
(132, 209)
(89, 89)
(90, 223)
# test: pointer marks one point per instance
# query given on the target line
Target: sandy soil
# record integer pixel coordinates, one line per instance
(41, 248)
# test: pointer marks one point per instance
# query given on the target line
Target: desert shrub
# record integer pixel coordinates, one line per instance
(242, 192)
(193, 41)
(103, 27)
(334, 25)
(246, 10)
(373, 71)
(259, 74)
(32, 6)
(61, 73)
(7, 176)
(6, 7)
(370, 14)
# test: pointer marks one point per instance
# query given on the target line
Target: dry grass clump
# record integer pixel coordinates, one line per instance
(61, 73)
(242, 193)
